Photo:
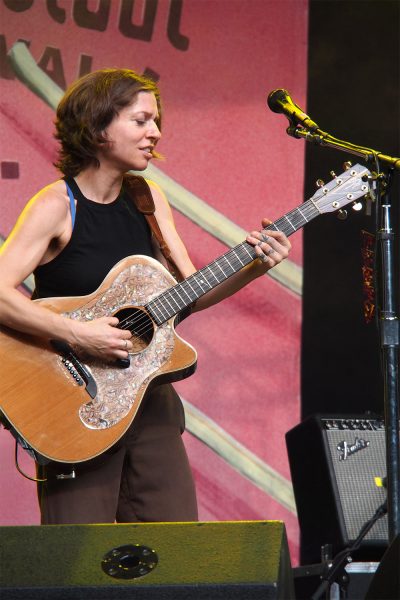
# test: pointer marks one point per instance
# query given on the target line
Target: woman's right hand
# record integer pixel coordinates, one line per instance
(103, 338)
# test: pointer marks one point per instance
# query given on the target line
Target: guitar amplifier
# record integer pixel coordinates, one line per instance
(338, 468)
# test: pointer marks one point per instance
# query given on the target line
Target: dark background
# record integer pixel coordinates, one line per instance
(353, 94)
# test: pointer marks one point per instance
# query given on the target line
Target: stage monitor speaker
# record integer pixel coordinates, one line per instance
(338, 468)
(236, 560)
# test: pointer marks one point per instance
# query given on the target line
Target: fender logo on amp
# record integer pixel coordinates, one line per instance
(345, 449)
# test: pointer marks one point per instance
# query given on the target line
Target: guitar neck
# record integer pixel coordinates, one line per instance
(180, 296)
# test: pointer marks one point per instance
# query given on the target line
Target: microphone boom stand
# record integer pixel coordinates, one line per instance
(388, 322)
(336, 568)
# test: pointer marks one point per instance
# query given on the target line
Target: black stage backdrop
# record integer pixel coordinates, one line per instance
(354, 95)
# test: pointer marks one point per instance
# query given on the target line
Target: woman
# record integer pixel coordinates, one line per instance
(108, 123)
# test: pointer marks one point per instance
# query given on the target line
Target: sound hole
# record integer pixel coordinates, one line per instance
(138, 322)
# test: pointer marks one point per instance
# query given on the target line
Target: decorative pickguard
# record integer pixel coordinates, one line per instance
(117, 388)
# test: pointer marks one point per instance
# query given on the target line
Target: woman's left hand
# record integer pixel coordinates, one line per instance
(271, 246)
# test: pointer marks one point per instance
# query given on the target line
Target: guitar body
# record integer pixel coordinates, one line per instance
(44, 395)
(70, 407)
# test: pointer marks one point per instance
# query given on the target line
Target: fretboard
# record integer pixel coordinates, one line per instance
(180, 296)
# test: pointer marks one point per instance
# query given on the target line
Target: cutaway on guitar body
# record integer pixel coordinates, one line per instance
(44, 388)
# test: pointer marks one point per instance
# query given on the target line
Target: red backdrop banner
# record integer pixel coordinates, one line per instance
(216, 61)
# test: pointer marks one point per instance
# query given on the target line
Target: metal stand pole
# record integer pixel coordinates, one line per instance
(389, 340)
(389, 328)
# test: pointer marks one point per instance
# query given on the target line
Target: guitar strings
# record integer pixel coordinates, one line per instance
(289, 223)
(141, 324)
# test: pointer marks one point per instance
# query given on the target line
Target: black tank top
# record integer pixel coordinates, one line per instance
(102, 235)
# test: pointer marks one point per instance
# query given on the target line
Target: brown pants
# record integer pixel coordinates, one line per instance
(145, 477)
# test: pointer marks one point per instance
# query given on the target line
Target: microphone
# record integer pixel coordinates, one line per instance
(279, 101)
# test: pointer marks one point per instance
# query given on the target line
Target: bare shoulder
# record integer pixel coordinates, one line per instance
(49, 208)
(46, 215)
(161, 203)
(53, 198)
(42, 229)
(155, 188)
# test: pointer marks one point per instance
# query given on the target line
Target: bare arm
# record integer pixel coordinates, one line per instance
(43, 227)
(271, 252)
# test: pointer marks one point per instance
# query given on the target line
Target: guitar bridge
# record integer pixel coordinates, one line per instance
(77, 369)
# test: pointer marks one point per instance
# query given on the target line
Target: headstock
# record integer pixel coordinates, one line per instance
(344, 189)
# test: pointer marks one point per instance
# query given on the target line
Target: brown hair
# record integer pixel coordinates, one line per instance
(88, 107)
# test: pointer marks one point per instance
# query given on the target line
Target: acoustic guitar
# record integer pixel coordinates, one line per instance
(70, 407)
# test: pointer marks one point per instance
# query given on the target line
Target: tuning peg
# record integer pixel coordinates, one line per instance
(347, 165)
(357, 206)
(319, 183)
(333, 174)
(342, 214)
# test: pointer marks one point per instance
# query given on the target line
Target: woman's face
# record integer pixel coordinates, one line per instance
(132, 135)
